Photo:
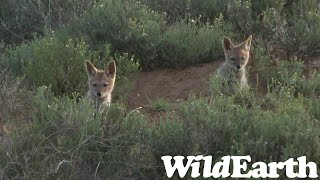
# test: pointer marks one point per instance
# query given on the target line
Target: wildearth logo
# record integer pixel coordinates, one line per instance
(239, 167)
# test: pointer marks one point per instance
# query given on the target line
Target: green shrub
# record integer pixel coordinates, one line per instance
(178, 9)
(59, 138)
(50, 61)
(66, 139)
(296, 33)
(22, 19)
(310, 86)
(15, 107)
(52, 137)
(128, 26)
(133, 28)
(187, 43)
(287, 73)
(127, 68)
(160, 105)
(226, 127)
(169, 137)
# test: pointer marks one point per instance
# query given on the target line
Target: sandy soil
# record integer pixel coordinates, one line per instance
(174, 85)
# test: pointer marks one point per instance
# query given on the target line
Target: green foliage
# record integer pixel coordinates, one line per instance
(288, 73)
(62, 134)
(310, 86)
(296, 32)
(178, 9)
(127, 67)
(130, 27)
(169, 137)
(21, 19)
(134, 28)
(71, 140)
(187, 43)
(14, 99)
(49, 133)
(50, 61)
(160, 105)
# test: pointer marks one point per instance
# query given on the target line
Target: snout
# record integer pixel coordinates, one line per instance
(238, 67)
(99, 94)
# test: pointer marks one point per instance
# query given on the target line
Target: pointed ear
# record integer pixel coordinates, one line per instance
(227, 44)
(91, 70)
(111, 69)
(247, 43)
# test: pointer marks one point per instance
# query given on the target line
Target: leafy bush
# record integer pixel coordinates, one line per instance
(130, 27)
(282, 24)
(289, 25)
(187, 43)
(287, 73)
(134, 28)
(296, 32)
(21, 19)
(66, 139)
(127, 67)
(71, 141)
(159, 105)
(310, 86)
(50, 133)
(51, 62)
(56, 123)
(15, 107)
(179, 9)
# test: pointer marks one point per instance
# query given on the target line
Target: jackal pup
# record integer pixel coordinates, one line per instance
(101, 83)
(236, 59)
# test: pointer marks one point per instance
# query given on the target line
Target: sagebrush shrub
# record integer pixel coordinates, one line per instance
(159, 105)
(22, 19)
(51, 61)
(129, 26)
(186, 43)
(133, 28)
(178, 9)
(71, 140)
(14, 98)
(63, 137)
(291, 26)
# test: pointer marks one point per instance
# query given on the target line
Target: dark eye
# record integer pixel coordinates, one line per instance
(242, 58)
(105, 85)
(232, 59)
(94, 85)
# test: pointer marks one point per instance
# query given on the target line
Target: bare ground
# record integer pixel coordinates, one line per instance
(174, 85)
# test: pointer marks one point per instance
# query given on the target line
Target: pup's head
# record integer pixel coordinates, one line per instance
(236, 56)
(101, 82)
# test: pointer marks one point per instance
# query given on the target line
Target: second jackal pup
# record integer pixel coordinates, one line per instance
(101, 83)
(236, 59)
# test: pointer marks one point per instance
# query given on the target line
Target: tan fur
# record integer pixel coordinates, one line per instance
(236, 59)
(101, 84)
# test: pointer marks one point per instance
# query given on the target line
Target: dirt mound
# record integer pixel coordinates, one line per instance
(174, 85)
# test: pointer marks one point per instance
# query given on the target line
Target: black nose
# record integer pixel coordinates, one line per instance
(238, 66)
(99, 94)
